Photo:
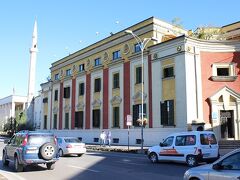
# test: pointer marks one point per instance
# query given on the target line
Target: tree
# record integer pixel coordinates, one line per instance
(208, 33)
(177, 22)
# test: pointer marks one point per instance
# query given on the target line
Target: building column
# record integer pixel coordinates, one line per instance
(60, 106)
(126, 92)
(50, 108)
(150, 90)
(105, 97)
(73, 103)
(88, 101)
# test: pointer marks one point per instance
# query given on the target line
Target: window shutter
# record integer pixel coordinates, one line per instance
(163, 113)
(171, 112)
(135, 115)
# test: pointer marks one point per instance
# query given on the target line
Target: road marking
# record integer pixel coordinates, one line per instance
(130, 163)
(10, 175)
(77, 167)
(118, 155)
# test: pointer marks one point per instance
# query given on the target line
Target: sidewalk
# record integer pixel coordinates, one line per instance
(132, 149)
(116, 148)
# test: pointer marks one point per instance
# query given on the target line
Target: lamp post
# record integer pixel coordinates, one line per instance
(142, 44)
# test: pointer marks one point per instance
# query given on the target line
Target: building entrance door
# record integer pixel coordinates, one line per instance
(227, 124)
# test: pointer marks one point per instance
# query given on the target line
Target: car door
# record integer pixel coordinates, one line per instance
(10, 147)
(167, 149)
(228, 168)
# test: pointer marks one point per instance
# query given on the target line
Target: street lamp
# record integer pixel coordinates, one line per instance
(142, 44)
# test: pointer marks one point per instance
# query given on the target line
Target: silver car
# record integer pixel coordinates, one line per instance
(70, 146)
(227, 167)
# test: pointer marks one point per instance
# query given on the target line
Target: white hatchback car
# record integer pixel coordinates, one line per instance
(70, 146)
(225, 168)
(191, 147)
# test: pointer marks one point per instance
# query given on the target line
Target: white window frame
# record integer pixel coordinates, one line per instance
(232, 72)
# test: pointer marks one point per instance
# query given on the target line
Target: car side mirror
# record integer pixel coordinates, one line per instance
(6, 141)
(161, 144)
(217, 166)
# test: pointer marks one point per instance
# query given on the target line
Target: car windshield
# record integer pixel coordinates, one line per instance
(207, 139)
(40, 139)
(72, 140)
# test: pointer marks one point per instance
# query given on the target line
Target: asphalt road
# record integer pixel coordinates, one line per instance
(100, 166)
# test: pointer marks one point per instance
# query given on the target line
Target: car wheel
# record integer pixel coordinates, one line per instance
(4, 159)
(18, 167)
(191, 161)
(60, 153)
(153, 157)
(194, 178)
(48, 151)
(50, 166)
(79, 155)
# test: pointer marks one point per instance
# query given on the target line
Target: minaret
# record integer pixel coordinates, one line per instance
(32, 67)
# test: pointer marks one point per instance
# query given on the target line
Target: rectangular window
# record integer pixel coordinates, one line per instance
(56, 77)
(115, 116)
(81, 89)
(137, 112)
(97, 62)
(45, 100)
(168, 72)
(68, 72)
(185, 140)
(66, 120)
(97, 85)
(66, 92)
(56, 95)
(222, 71)
(116, 54)
(138, 75)
(96, 118)
(79, 119)
(116, 81)
(55, 121)
(137, 48)
(207, 139)
(81, 67)
(45, 122)
(167, 113)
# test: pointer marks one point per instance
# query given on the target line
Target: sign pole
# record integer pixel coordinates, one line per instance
(129, 123)
(128, 138)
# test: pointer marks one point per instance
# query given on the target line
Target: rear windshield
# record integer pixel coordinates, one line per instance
(207, 139)
(40, 139)
(72, 140)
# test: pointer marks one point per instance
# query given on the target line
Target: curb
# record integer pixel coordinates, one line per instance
(115, 149)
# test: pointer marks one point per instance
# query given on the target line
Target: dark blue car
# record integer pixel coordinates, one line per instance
(31, 147)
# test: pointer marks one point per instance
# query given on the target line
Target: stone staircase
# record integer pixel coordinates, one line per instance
(229, 144)
(226, 146)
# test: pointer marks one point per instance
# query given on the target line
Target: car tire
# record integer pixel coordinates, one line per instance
(50, 166)
(61, 154)
(153, 157)
(47, 151)
(194, 178)
(5, 162)
(79, 155)
(18, 167)
(191, 161)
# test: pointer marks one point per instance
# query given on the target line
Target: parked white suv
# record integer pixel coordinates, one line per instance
(191, 147)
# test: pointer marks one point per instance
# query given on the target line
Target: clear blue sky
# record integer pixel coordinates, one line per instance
(65, 26)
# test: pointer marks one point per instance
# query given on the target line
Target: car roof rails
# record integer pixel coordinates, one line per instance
(23, 131)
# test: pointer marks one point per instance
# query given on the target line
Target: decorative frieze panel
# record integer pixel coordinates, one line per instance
(116, 100)
(96, 103)
(138, 97)
(55, 110)
(67, 108)
(80, 105)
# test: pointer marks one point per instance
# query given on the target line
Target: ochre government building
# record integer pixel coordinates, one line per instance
(189, 84)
